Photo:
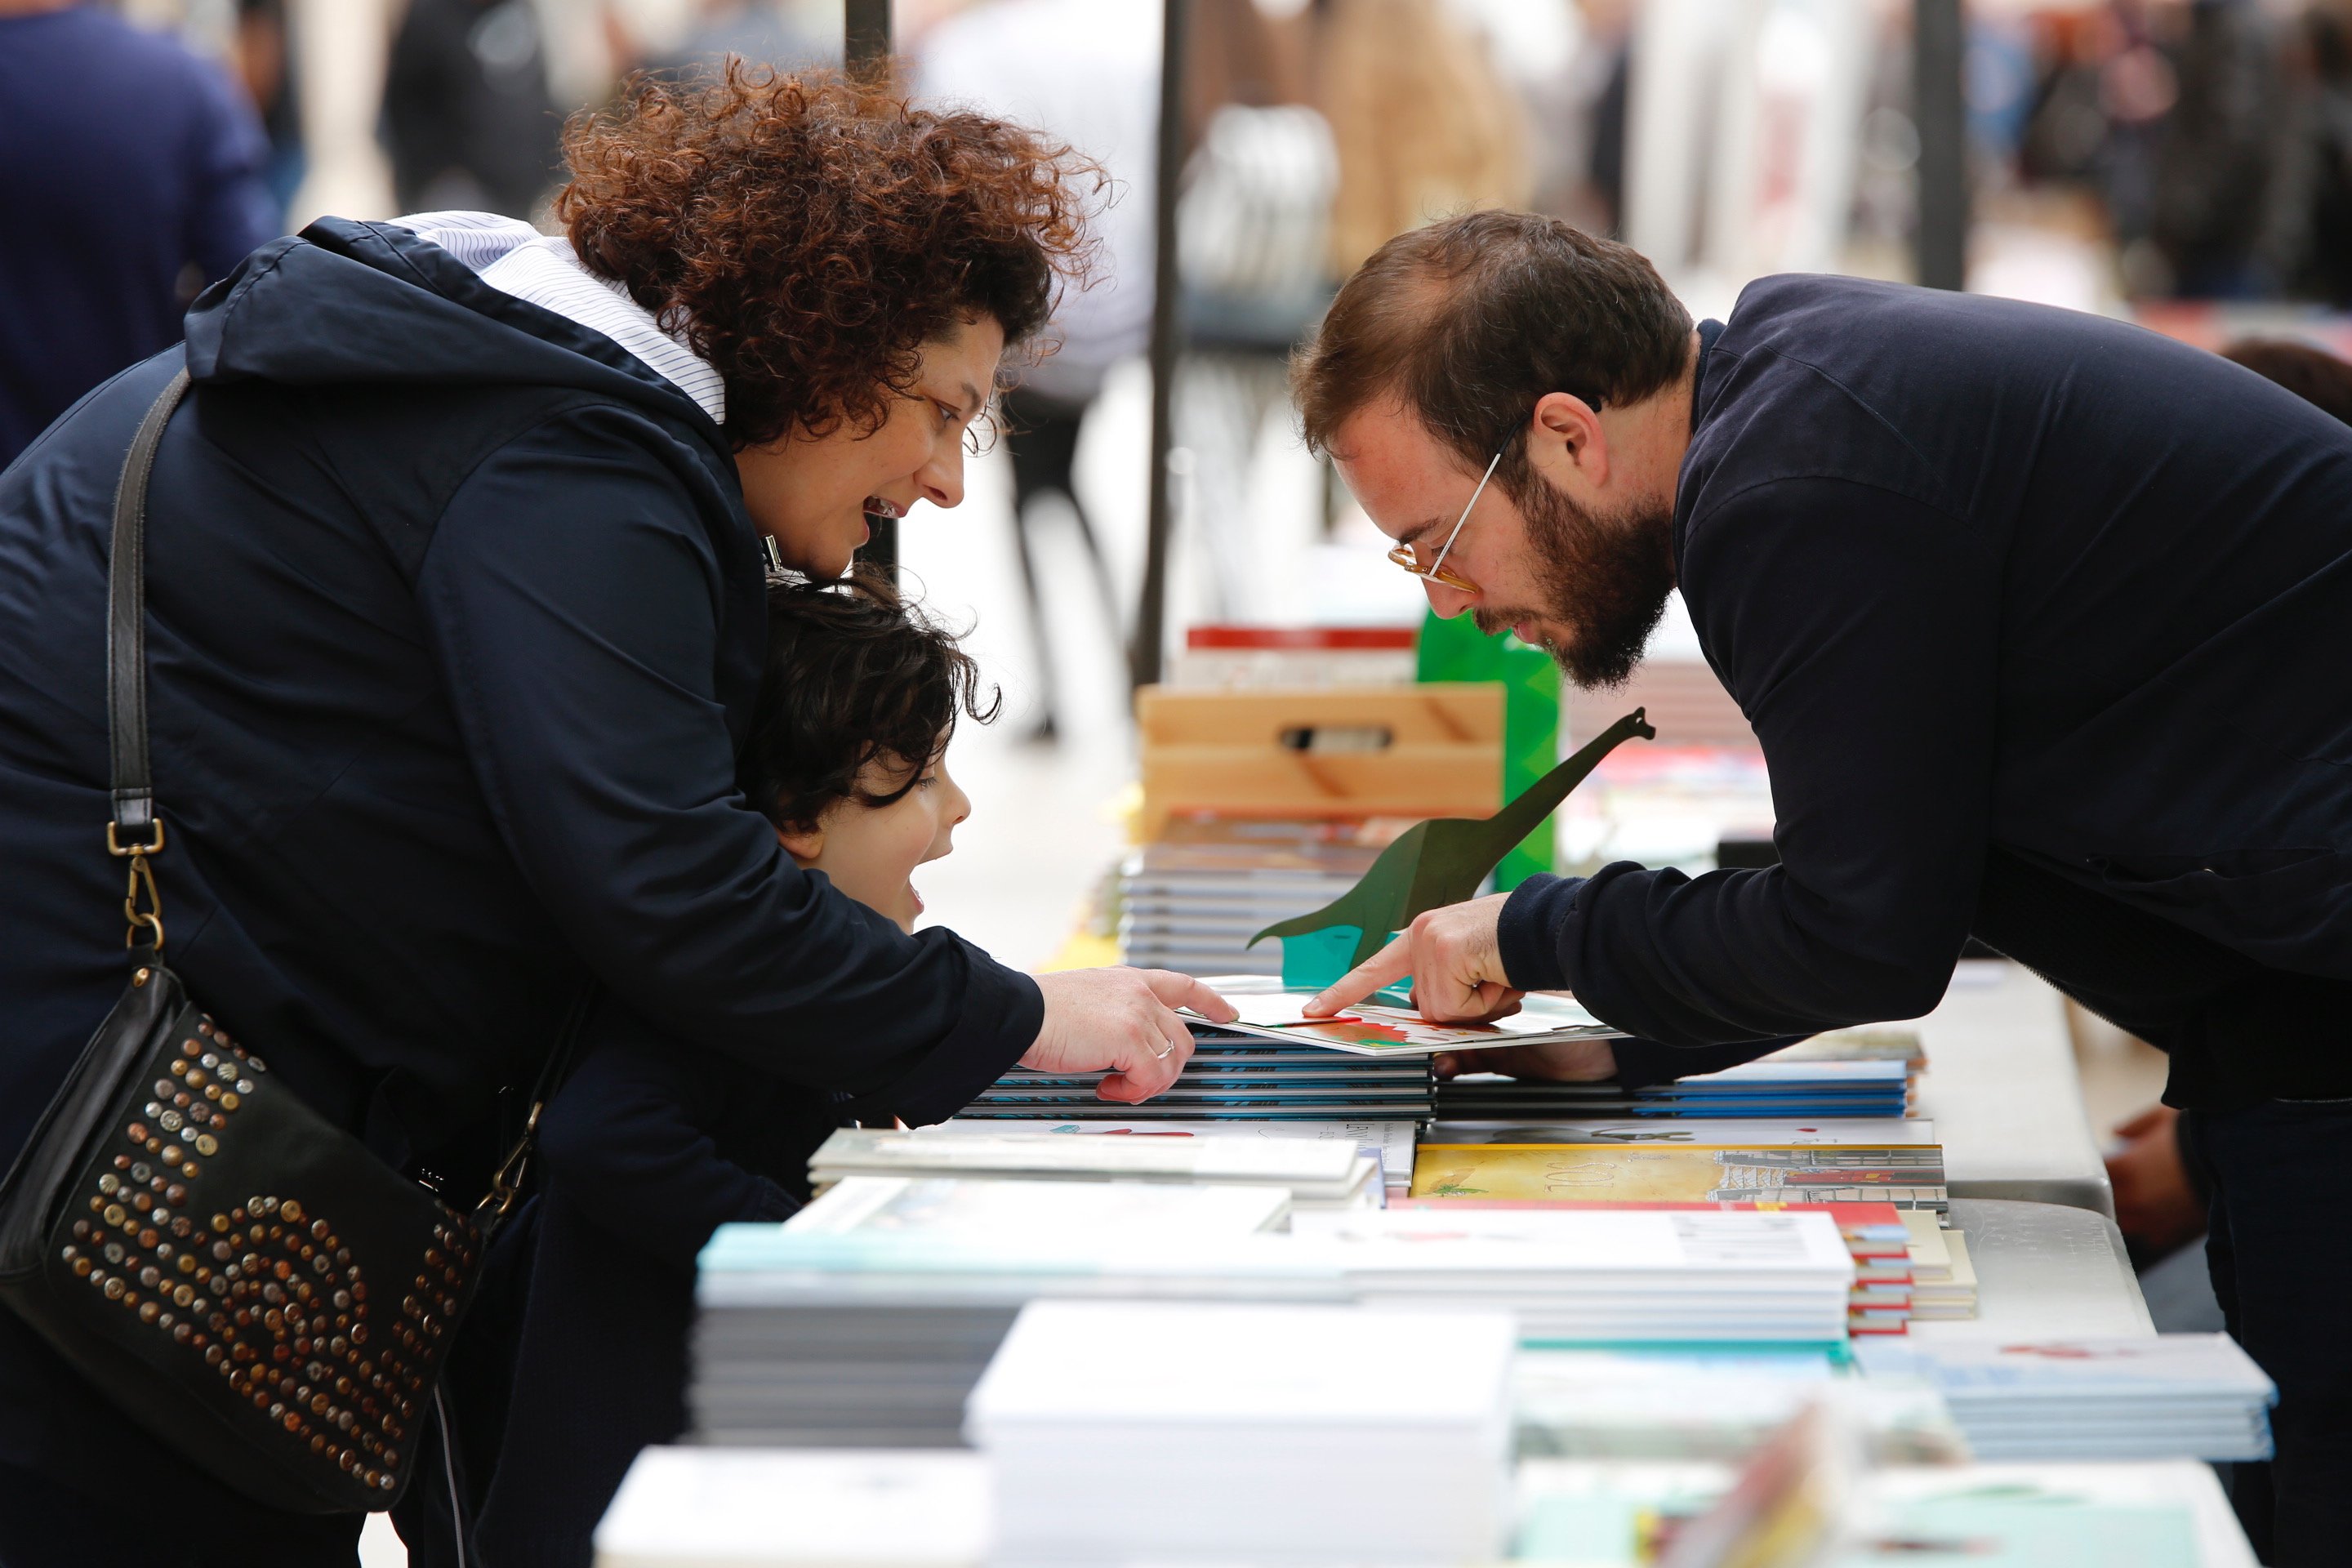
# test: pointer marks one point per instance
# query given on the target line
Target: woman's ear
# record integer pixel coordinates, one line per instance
(803, 844)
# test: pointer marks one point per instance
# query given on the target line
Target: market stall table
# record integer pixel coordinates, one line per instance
(2001, 1089)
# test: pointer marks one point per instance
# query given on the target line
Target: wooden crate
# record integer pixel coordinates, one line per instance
(1396, 750)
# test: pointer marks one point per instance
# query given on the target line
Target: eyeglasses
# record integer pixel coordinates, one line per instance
(1435, 572)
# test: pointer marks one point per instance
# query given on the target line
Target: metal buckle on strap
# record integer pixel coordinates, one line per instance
(141, 881)
(115, 847)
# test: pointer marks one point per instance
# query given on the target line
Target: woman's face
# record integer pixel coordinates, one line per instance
(871, 851)
(810, 494)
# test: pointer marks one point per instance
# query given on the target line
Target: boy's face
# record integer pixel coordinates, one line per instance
(870, 851)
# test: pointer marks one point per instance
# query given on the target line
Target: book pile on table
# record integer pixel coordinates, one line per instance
(1943, 1279)
(866, 1319)
(2164, 1397)
(1712, 1402)
(1389, 1141)
(1315, 1173)
(2154, 1515)
(1191, 901)
(1604, 1274)
(1770, 1086)
(1876, 1235)
(1233, 1077)
(1130, 1432)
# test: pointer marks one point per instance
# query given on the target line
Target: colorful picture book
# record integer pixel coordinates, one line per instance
(1908, 1176)
(1388, 1026)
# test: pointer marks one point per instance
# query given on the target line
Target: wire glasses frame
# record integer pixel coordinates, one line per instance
(1435, 572)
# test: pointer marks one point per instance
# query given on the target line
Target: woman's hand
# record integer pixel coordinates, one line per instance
(1456, 958)
(1122, 1022)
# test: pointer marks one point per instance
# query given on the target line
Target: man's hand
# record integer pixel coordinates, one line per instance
(2155, 1205)
(1456, 959)
(1120, 1021)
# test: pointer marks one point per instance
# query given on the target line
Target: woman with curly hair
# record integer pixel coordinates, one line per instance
(455, 620)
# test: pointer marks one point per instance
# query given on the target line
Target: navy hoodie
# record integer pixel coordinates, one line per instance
(455, 622)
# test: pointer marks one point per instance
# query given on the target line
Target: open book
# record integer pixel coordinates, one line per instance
(1386, 1025)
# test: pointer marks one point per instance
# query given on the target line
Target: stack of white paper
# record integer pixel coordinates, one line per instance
(1605, 1274)
(1315, 1173)
(1123, 1431)
(807, 1508)
(2161, 1397)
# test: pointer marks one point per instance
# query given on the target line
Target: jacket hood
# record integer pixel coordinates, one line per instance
(346, 303)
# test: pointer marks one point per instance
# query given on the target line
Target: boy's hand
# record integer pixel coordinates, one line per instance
(1121, 1022)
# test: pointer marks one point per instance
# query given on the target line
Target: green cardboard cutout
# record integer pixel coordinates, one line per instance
(1433, 864)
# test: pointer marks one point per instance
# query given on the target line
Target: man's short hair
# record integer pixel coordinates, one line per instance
(1469, 321)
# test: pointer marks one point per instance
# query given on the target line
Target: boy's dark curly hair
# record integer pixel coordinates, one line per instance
(854, 674)
(809, 233)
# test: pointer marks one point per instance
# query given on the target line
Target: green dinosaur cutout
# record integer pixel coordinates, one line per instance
(1443, 861)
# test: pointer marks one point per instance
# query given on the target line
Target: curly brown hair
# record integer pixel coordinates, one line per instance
(808, 233)
(854, 674)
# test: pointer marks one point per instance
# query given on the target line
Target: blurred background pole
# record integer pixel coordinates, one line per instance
(1167, 345)
(1939, 52)
(865, 48)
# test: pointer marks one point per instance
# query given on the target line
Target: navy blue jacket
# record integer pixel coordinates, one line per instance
(1992, 582)
(456, 619)
(124, 160)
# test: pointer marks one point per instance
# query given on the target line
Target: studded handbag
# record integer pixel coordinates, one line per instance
(241, 1278)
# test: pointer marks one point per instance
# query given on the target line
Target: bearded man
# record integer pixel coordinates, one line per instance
(2045, 625)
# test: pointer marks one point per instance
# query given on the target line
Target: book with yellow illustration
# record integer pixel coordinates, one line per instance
(1907, 1176)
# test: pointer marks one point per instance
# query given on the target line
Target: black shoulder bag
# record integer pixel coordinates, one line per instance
(243, 1278)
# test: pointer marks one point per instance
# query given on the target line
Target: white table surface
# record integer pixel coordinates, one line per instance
(2002, 1087)
(2043, 1271)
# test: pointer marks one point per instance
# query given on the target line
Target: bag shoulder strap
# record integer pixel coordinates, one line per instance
(135, 830)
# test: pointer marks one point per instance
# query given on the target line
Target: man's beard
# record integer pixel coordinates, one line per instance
(1603, 578)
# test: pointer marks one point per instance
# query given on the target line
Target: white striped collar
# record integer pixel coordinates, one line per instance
(515, 258)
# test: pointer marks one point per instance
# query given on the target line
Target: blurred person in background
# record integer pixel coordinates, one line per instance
(1425, 125)
(265, 60)
(468, 119)
(757, 32)
(2309, 234)
(2213, 155)
(1089, 77)
(131, 173)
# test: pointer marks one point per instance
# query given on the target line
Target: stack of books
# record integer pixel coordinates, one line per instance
(1770, 1086)
(1876, 1235)
(1693, 1165)
(1389, 1141)
(865, 1319)
(1233, 1077)
(1191, 901)
(2163, 1396)
(1314, 1173)
(1605, 1274)
(1943, 1280)
(1712, 1404)
(1132, 1432)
